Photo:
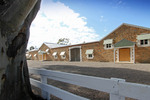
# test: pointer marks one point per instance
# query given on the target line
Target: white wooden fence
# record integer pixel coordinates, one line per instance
(117, 88)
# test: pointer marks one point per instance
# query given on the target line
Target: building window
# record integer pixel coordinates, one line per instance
(63, 56)
(143, 39)
(108, 44)
(144, 42)
(55, 55)
(89, 54)
(47, 51)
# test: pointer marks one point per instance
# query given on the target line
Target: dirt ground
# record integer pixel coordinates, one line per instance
(137, 73)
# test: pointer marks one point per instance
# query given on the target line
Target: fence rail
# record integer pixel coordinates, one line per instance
(117, 88)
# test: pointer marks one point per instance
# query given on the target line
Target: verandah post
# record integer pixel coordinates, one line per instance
(116, 96)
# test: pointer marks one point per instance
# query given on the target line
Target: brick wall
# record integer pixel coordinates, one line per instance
(59, 50)
(142, 54)
(95, 46)
(84, 47)
(32, 55)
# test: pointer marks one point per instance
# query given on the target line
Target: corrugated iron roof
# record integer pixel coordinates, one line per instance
(53, 45)
(33, 50)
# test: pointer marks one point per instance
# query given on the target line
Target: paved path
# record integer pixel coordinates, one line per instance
(139, 66)
(138, 73)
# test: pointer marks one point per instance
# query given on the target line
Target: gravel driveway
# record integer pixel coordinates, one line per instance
(137, 73)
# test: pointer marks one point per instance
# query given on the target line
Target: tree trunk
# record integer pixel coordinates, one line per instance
(15, 20)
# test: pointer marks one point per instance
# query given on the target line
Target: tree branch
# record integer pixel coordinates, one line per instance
(17, 12)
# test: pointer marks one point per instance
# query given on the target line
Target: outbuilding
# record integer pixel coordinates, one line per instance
(126, 44)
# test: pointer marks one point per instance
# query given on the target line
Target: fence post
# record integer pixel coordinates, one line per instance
(48, 96)
(45, 95)
(115, 96)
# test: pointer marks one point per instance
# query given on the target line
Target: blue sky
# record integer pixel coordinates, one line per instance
(106, 15)
(85, 20)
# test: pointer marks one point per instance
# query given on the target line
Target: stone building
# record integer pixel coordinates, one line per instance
(32, 54)
(126, 44)
(45, 53)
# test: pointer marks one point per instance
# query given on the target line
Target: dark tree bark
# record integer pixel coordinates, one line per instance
(15, 20)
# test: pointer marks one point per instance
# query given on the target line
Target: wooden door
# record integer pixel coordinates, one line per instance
(124, 54)
(44, 56)
(75, 54)
(72, 54)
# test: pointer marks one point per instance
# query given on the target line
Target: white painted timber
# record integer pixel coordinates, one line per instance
(143, 36)
(114, 55)
(89, 51)
(115, 95)
(96, 83)
(44, 80)
(54, 54)
(133, 90)
(108, 41)
(118, 88)
(56, 91)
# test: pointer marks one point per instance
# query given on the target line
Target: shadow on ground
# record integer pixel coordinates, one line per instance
(130, 75)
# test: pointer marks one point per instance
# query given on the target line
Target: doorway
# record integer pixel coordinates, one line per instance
(75, 53)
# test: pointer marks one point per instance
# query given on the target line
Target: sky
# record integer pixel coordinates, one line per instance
(85, 20)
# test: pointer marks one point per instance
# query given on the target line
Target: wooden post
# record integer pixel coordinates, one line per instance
(42, 56)
(69, 54)
(134, 54)
(80, 54)
(48, 96)
(115, 95)
(114, 55)
(45, 95)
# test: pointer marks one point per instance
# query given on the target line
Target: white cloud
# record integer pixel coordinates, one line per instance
(56, 20)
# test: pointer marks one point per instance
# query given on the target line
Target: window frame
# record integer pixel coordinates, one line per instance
(144, 43)
(55, 56)
(63, 56)
(108, 46)
(90, 57)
